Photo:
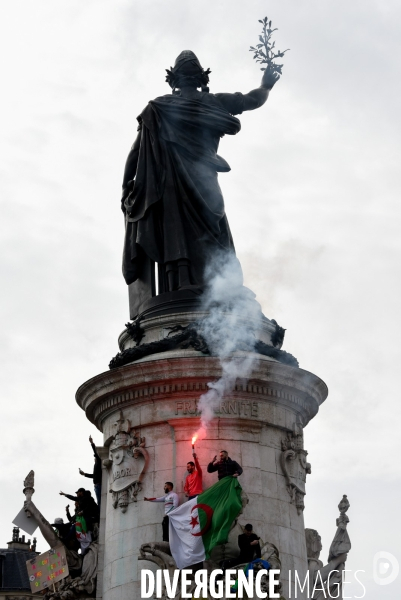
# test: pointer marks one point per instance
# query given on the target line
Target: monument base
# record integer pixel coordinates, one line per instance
(148, 414)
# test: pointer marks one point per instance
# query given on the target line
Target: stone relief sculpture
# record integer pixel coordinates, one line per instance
(295, 466)
(327, 580)
(71, 587)
(128, 461)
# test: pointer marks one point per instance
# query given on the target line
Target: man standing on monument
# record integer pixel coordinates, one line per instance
(225, 466)
(97, 472)
(171, 501)
(193, 481)
(249, 546)
(172, 201)
(80, 494)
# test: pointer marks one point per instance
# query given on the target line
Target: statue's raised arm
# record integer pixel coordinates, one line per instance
(256, 98)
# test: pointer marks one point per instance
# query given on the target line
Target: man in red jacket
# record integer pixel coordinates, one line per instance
(193, 482)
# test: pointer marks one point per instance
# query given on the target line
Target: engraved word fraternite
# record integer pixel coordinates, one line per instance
(172, 201)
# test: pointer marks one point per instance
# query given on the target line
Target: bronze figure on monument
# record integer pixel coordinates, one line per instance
(172, 202)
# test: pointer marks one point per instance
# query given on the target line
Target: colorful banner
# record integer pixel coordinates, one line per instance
(47, 568)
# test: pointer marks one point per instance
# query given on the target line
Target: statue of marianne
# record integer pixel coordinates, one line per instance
(172, 201)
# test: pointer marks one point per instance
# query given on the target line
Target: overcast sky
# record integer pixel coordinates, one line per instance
(312, 201)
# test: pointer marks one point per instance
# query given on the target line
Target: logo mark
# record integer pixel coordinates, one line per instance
(385, 568)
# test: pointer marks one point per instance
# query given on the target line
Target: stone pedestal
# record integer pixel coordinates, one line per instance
(153, 403)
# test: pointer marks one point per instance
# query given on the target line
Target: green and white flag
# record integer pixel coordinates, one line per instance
(197, 526)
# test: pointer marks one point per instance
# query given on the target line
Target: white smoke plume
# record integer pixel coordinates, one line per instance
(232, 323)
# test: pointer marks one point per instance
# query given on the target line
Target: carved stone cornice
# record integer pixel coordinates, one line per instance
(185, 378)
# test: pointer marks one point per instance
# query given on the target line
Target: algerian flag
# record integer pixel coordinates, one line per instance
(83, 535)
(197, 526)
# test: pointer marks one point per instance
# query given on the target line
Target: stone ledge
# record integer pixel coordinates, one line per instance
(183, 379)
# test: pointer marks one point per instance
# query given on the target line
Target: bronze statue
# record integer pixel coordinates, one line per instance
(172, 201)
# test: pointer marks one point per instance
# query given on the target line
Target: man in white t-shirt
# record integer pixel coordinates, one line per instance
(170, 503)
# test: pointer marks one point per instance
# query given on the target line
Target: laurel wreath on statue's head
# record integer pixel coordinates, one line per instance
(174, 78)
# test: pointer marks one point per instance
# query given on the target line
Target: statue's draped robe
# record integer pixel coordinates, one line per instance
(176, 209)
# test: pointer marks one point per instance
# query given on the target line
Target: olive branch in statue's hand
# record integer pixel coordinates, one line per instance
(265, 54)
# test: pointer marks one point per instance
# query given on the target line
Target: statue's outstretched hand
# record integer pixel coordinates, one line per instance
(269, 78)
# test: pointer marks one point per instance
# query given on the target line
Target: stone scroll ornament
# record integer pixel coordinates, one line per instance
(128, 461)
(295, 466)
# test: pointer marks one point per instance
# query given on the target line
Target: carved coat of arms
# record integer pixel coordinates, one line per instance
(128, 461)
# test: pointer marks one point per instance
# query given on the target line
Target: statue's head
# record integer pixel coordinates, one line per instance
(187, 71)
(313, 543)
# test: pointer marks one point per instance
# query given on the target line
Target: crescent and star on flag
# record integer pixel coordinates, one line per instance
(208, 510)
